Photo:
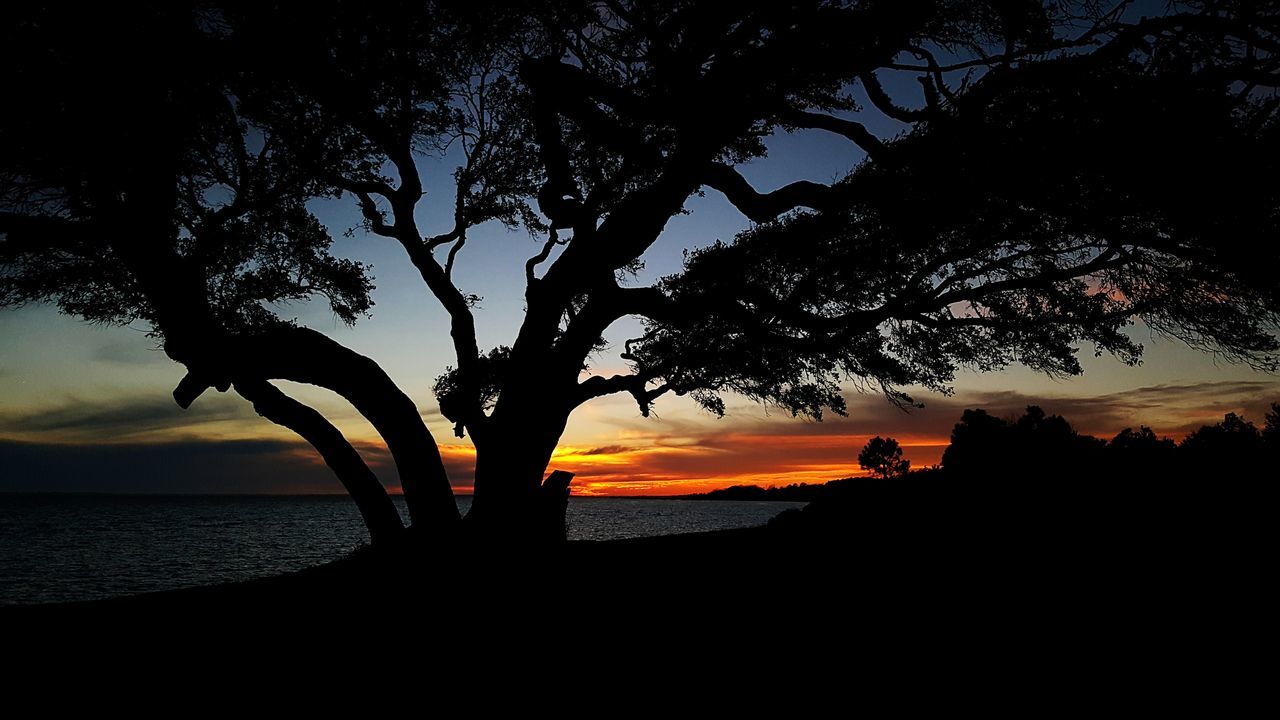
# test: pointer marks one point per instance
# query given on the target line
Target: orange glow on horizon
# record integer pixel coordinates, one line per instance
(696, 465)
(680, 466)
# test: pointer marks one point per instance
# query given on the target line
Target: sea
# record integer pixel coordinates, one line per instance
(62, 548)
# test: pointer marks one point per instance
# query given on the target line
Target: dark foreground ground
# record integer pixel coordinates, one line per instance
(899, 592)
(902, 594)
(906, 547)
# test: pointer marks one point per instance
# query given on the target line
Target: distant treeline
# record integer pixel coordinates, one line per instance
(793, 492)
(1042, 454)
(1032, 493)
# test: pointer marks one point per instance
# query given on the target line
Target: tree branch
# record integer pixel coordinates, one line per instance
(462, 322)
(855, 131)
(25, 233)
(306, 356)
(453, 254)
(1040, 279)
(606, 306)
(377, 221)
(532, 263)
(368, 187)
(876, 93)
(597, 386)
(763, 207)
(379, 513)
(939, 83)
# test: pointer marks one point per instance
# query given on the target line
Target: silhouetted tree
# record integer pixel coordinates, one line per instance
(1062, 169)
(1140, 456)
(1271, 428)
(978, 442)
(883, 456)
(1036, 448)
(1228, 451)
(1142, 441)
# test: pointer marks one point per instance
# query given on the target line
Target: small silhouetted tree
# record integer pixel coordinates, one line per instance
(1051, 173)
(883, 456)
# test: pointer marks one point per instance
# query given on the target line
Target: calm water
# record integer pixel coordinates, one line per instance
(75, 547)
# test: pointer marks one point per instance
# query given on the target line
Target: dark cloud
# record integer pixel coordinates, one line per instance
(93, 420)
(188, 466)
(237, 466)
(604, 450)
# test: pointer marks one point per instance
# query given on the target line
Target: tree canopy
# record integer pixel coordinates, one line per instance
(883, 457)
(1063, 170)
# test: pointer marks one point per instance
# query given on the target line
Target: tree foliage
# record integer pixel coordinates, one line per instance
(130, 145)
(1046, 206)
(1016, 454)
(883, 457)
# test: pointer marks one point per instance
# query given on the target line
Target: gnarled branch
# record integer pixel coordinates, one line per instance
(763, 207)
(885, 104)
(379, 513)
(855, 131)
(376, 219)
(636, 384)
(532, 263)
(306, 356)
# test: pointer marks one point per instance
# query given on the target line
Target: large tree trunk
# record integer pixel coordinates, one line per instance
(514, 500)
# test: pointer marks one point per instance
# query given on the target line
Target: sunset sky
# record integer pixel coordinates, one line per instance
(88, 408)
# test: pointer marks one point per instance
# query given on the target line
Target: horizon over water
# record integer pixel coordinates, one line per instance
(60, 547)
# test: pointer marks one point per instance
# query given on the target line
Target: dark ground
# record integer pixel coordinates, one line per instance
(876, 597)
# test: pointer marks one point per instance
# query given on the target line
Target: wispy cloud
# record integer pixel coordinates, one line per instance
(76, 420)
(232, 466)
(1170, 409)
